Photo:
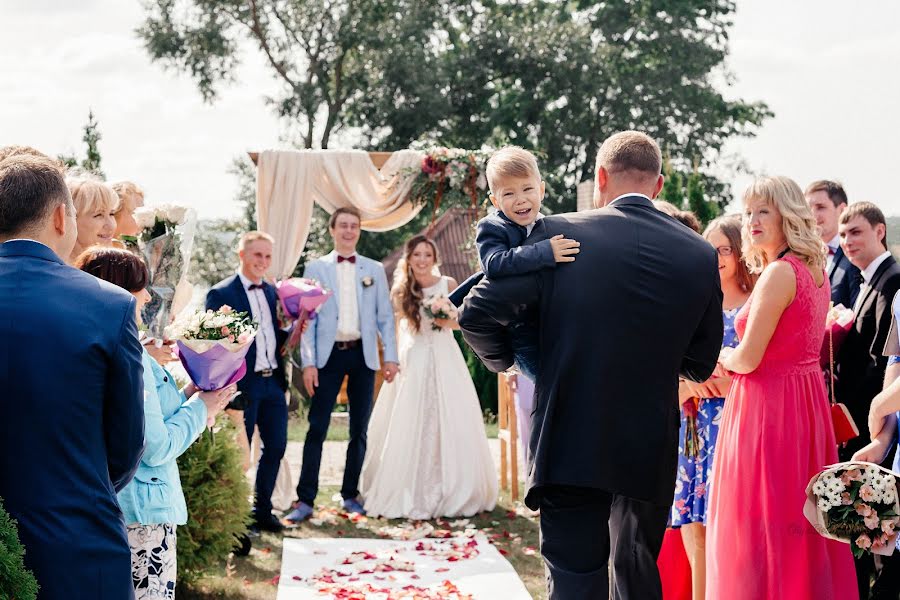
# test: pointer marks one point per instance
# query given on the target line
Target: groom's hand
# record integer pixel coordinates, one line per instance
(390, 371)
(310, 380)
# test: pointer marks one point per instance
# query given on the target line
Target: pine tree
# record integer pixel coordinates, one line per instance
(673, 188)
(705, 210)
(15, 581)
(216, 492)
(91, 137)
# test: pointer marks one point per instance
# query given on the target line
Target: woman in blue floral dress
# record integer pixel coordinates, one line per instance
(702, 405)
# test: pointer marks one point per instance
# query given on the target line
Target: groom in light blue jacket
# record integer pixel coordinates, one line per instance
(343, 341)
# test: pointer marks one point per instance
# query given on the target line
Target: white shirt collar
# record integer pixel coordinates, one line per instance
(869, 271)
(245, 281)
(835, 242)
(529, 228)
(626, 195)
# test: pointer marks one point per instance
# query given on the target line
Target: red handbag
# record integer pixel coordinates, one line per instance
(845, 428)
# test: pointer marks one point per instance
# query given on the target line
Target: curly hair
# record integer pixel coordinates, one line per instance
(406, 292)
(797, 223)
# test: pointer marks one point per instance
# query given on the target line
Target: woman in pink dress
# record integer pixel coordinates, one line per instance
(776, 429)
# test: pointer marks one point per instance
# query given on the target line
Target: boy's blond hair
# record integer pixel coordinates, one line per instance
(511, 161)
(253, 236)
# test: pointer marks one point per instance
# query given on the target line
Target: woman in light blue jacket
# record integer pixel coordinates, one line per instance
(153, 503)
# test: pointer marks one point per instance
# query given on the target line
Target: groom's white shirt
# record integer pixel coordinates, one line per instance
(348, 309)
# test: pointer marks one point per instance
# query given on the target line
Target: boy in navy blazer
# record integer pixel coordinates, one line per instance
(516, 192)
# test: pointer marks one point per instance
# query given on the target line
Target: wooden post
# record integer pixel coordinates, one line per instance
(508, 435)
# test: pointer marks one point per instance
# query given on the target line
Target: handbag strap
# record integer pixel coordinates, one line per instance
(831, 361)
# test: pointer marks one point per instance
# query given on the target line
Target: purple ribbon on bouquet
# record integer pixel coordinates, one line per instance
(215, 368)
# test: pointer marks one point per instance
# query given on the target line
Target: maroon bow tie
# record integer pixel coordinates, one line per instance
(349, 259)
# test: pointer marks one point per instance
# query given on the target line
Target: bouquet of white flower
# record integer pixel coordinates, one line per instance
(857, 503)
(439, 307)
(212, 345)
(165, 242)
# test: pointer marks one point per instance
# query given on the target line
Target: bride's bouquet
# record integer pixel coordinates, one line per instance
(299, 301)
(439, 307)
(212, 346)
(165, 242)
(855, 502)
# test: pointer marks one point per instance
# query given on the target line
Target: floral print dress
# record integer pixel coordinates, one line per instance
(695, 472)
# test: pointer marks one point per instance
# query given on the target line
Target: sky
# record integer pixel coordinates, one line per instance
(827, 69)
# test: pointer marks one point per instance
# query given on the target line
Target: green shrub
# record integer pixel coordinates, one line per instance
(15, 580)
(217, 495)
(485, 382)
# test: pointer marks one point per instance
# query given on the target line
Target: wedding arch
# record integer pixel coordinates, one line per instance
(388, 188)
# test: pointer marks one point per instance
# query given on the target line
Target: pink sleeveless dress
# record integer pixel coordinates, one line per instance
(776, 433)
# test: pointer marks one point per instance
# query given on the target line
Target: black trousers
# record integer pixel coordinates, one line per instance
(582, 529)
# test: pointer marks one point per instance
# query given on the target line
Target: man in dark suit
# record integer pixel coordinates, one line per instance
(860, 364)
(828, 201)
(262, 398)
(73, 398)
(640, 306)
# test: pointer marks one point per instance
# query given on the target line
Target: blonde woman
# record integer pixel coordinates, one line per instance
(95, 206)
(428, 454)
(131, 197)
(776, 429)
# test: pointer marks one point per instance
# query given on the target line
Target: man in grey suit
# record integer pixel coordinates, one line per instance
(72, 392)
(639, 307)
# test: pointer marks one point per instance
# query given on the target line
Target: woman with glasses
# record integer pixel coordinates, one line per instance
(702, 404)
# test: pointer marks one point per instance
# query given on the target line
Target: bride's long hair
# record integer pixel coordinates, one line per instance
(406, 292)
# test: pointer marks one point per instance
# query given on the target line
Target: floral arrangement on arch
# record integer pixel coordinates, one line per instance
(454, 175)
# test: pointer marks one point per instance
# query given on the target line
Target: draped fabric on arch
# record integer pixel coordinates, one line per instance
(290, 181)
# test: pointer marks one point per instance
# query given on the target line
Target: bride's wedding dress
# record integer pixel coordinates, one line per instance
(428, 454)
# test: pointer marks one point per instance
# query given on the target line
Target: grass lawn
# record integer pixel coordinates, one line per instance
(255, 577)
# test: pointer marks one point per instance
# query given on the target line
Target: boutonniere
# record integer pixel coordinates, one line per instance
(367, 281)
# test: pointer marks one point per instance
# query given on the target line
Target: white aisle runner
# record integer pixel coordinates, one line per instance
(460, 568)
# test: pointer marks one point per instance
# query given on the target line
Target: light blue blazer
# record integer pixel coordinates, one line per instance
(376, 315)
(172, 424)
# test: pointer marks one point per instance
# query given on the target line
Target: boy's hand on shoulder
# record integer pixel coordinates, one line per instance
(564, 249)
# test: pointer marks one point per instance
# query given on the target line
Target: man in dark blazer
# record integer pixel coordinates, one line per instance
(828, 200)
(860, 364)
(640, 306)
(72, 393)
(262, 398)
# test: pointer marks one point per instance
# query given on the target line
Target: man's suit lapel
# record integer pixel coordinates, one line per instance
(870, 296)
(835, 262)
(329, 262)
(241, 302)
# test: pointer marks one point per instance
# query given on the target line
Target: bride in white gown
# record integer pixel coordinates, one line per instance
(427, 454)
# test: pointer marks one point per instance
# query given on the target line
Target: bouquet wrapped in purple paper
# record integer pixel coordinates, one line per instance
(299, 300)
(212, 346)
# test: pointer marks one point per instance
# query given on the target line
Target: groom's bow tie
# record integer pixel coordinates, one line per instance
(349, 259)
(256, 286)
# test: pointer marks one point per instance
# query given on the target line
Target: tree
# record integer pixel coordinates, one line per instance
(556, 76)
(15, 580)
(91, 138)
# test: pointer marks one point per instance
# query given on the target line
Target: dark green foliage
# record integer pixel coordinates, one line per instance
(485, 381)
(91, 162)
(15, 581)
(217, 495)
(554, 76)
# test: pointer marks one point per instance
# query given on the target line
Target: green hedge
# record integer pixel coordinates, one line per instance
(15, 580)
(217, 495)
(485, 381)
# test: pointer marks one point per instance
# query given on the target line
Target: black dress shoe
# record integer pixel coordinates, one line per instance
(242, 545)
(268, 522)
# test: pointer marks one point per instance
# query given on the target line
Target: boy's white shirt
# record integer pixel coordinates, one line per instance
(530, 228)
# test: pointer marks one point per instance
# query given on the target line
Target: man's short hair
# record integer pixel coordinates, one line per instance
(511, 161)
(344, 210)
(7, 151)
(833, 189)
(31, 187)
(630, 152)
(253, 236)
(867, 211)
